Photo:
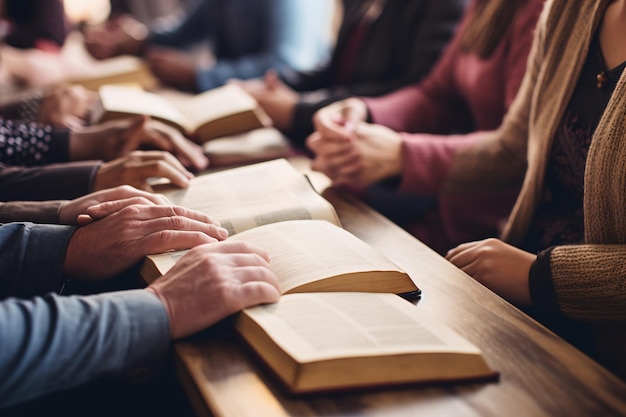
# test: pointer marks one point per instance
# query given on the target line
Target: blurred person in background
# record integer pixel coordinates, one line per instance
(245, 38)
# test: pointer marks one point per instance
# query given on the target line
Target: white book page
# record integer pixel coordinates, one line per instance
(318, 326)
(303, 251)
(250, 196)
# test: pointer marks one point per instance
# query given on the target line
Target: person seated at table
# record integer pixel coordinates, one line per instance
(53, 342)
(381, 45)
(247, 37)
(399, 160)
(561, 254)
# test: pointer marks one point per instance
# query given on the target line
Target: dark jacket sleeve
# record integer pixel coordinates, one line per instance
(50, 182)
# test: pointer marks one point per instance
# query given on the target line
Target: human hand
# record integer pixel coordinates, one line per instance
(172, 67)
(126, 195)
(137, 167)
(123, 35)
(374, 154)
(338, 120)
(119, 236)
(212, 282)
(497, 265)
(275, 97)
(117, 138)
(66, 106)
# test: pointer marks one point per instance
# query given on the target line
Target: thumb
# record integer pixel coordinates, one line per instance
(84, 219)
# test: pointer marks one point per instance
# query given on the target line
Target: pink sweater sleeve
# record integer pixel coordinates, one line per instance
(427, 157)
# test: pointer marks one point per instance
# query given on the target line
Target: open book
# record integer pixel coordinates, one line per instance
(273, 205)
(253, 195)
(215, 113)
(126, 69)
(337, 341)
(311, 255)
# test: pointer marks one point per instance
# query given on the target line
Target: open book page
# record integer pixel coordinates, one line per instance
(311, 256)
(305, 251)
(318, 326)
(130, 100)
(249, 196)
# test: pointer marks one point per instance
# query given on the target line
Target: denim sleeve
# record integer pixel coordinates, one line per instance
(32, 257)
(53, 343)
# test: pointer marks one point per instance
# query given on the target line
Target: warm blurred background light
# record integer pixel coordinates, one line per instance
(89, 11)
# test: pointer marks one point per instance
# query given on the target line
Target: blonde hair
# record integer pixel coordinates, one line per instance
(491, 21)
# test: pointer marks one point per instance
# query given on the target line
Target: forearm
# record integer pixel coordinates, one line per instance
(53, 343)
(435, 164)
(32, 257)
(30, 211)
(51, 182)
(419, 110)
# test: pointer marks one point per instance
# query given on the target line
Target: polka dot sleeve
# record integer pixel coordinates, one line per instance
(30, 144)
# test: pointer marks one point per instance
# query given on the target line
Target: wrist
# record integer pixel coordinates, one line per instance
(396, 164)
(166, 307)
(76, 151)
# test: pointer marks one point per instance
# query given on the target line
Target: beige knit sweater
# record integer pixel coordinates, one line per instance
(589, 279)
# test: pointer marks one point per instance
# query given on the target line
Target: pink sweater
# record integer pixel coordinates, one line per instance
(462, 91)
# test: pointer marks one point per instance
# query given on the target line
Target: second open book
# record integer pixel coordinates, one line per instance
(319, 339)
(219, 112)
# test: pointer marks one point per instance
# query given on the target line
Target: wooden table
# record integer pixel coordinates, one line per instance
(541, 375)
